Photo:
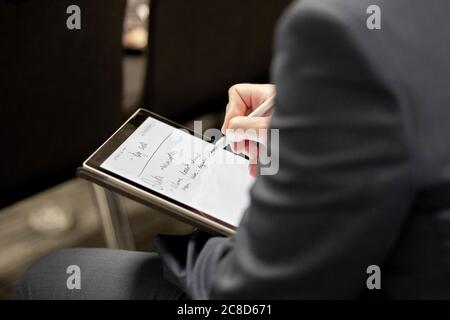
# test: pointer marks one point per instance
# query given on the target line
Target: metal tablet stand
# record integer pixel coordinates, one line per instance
(114, 218)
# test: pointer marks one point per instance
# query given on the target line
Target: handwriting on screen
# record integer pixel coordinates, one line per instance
(177, 174)
(166, 160)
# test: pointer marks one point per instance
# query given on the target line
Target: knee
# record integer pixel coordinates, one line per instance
(46, 272)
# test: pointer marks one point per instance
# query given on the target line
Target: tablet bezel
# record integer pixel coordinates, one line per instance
(95, 161)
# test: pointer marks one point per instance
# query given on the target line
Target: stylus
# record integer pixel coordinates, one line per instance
(265, 107)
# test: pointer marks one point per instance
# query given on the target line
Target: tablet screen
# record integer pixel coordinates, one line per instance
(185, 168)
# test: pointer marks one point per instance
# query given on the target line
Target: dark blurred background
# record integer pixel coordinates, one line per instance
(63, 92)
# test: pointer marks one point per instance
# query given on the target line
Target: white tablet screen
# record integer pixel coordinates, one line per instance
(185, 168)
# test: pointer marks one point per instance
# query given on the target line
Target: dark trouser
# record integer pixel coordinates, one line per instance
(104, 274)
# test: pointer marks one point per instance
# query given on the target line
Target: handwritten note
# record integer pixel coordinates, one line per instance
(185, 168)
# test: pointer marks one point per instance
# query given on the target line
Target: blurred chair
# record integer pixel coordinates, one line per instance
(199, 48)
(60, 89)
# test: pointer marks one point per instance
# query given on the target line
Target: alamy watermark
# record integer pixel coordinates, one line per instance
(373, 22)
(374, 280)
(257, 147)
(73, 282)
(73, 21)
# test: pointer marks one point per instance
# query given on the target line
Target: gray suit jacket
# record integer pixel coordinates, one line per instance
(364, 179)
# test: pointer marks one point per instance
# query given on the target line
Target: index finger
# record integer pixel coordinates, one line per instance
(237, 105)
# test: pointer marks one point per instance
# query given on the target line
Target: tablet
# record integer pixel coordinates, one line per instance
(160, 163)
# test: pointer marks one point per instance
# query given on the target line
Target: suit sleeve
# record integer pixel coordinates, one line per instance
(343, 189)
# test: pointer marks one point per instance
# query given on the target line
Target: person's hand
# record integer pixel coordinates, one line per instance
(242, 100)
